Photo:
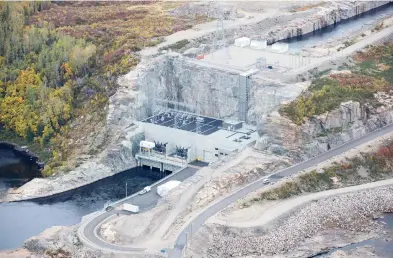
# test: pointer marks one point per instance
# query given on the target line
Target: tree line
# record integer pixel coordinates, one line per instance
(39, 73)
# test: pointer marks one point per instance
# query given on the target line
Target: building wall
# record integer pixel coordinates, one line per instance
(201, 146)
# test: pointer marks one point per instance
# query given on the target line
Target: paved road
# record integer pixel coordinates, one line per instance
(87, 231)
(88, 235)
(195, 224)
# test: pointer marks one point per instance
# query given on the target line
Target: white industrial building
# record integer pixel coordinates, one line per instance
(205, 138)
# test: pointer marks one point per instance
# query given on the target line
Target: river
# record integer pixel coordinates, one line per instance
(22, 220)
(339, 30)
(382, 247)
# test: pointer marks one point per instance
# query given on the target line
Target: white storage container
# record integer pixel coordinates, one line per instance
(280, 47)
(258, 44)
(242, 42)
(130, 207)
(148, 145)
(164, 189)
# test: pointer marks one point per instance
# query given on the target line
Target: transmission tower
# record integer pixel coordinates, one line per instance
(219, 35)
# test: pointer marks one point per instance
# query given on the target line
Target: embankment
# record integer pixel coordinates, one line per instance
(326, 16)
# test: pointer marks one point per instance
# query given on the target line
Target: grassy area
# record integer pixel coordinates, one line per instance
(372, 73)
(376, 166)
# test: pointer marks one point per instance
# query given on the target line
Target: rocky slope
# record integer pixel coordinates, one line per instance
(289, 233)
(205, 90)
(319, 134)
(327, 15)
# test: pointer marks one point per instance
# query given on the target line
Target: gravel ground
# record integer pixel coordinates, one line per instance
(351, 212)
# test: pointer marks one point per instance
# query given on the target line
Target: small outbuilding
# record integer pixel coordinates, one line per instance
(280, 47)
(164, 189)
(258, 44)
(242, 42)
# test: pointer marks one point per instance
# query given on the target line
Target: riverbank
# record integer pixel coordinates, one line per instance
(23, 220)
(322, 224)
(18, 162)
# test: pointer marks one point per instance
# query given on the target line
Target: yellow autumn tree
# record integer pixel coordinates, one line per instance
(17, 110)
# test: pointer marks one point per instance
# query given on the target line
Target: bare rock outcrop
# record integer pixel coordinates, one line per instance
(205, 90)
(320, 133)
(336, 12)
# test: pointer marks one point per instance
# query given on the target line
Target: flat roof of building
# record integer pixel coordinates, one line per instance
(186, 121)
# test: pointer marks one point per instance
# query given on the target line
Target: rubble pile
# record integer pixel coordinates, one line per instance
(350, 212)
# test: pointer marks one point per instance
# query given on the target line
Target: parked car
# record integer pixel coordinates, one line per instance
(145, 190)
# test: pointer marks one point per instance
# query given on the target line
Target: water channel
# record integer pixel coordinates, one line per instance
(339, 30)
(22, 220)
(382, 247)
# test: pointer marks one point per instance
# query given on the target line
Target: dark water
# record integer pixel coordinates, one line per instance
(340, 29)
(382, 247)
(7, 183)
(17, 163)
(22, 220)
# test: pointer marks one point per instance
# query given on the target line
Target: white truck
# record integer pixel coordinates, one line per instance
(131, 208)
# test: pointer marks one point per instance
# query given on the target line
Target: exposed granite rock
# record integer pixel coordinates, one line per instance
(364, 251)
(321, 133)
(206, 90)
(336, 12)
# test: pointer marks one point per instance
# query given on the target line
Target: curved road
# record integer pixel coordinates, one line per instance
(197, 222)
(87, 231)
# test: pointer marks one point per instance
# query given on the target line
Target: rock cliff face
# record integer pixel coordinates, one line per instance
(351, 120)
(336, 12)
(202, 89)
(266, 96)
(210, 91)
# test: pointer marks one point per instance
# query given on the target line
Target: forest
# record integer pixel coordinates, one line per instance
(43, 74)
(59, 62)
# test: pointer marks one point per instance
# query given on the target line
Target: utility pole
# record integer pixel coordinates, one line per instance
(185, 247)
(126, 189)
